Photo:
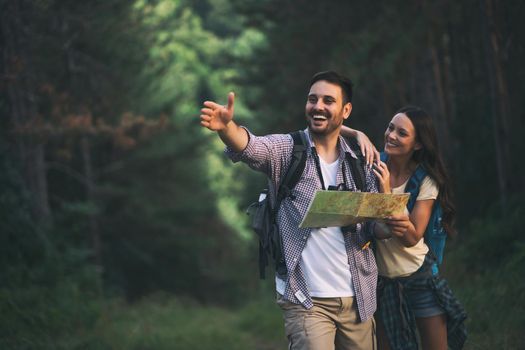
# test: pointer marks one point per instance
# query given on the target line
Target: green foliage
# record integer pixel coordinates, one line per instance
(21, 242)
(43, 315)
(485, 269)
(178, 55)
(49, 295)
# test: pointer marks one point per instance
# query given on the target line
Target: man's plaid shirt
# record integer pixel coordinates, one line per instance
(271, 155)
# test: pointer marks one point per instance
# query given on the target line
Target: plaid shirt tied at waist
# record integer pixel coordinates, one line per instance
(271, 155)
(398, 319)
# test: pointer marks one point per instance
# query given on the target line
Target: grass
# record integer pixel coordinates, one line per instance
(163, 322)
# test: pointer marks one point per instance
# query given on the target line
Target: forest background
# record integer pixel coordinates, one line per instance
(122, 224)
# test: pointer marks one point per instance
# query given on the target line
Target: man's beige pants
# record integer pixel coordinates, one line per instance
(332, 323)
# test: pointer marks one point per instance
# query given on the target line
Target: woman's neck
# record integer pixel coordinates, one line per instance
(400, 168)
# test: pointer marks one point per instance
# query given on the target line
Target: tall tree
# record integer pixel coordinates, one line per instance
(20, 79)
(499, 97)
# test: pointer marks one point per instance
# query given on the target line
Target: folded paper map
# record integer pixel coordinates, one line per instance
(343, 208)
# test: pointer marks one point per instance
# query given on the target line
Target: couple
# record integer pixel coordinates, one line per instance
(328, 296)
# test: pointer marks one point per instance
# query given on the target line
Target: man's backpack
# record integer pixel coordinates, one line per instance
(263, 214)
(435, 235)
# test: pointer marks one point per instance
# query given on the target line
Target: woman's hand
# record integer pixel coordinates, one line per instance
(367, 147)
(398, 224)
(383, 175)
(401, 227)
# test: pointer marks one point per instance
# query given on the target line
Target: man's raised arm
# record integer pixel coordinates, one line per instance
(219, 118)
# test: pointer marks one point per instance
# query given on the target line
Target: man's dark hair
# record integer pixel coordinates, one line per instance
(337, 79)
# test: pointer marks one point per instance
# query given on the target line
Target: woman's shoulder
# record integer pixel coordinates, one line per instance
(428, 189)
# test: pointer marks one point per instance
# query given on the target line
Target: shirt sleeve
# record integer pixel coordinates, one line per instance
(267, 154)
(428, 189)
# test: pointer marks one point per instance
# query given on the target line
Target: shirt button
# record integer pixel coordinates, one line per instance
(304, 237)
(294, 259)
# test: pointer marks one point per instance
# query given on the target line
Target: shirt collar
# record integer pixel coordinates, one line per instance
(342, 144)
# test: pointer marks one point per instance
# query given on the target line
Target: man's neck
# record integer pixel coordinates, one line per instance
(326, 146)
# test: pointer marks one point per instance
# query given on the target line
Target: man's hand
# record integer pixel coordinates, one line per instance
(219, 118)
(216, 117)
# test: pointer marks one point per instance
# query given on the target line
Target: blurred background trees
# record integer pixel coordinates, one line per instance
(110, 189)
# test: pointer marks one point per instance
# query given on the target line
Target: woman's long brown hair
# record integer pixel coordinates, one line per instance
(429, 156)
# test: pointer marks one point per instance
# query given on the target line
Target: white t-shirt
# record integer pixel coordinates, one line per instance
(393, 258)
(324, 259)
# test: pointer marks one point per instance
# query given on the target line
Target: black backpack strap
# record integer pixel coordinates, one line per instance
(357, 165)
(296, 168)
(288, 182)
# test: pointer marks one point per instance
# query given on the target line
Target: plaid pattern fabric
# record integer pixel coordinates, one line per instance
(271, 155)
(398, 319)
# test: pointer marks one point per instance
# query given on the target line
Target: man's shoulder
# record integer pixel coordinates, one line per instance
(350, 146)
(280, 137)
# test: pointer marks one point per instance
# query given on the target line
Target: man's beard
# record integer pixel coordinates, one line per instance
(329, 128)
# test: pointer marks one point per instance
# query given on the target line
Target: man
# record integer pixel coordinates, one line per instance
(328, 295)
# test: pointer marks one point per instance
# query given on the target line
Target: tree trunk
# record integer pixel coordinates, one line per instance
(75, 85)
(91, 197)
(442, 105)
(498, 96)
(20, 82)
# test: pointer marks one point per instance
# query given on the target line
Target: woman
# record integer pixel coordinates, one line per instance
(405, 261)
